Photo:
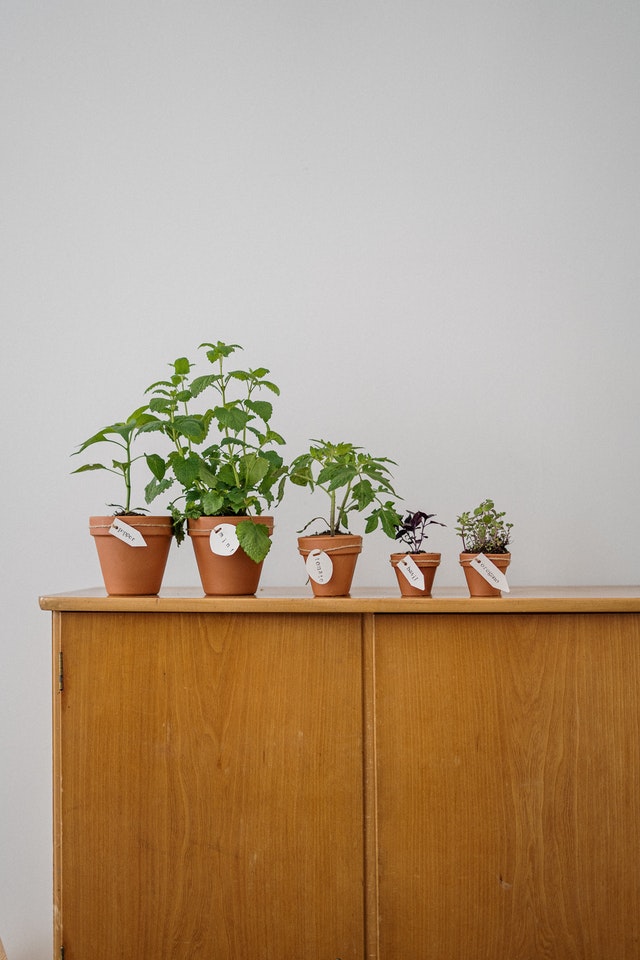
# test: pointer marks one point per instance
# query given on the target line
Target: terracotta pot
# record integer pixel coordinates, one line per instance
(225, 576)
(128, 570)
(478, 586)
(428, 564)
(343, 549)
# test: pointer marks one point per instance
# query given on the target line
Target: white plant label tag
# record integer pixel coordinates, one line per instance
(319, 566)
(223, 540)
(127, 534)
(412, 572)
(487, 569)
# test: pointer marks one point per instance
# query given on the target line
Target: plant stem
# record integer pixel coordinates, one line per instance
(342, 510)
(332, 514)
(127, 474)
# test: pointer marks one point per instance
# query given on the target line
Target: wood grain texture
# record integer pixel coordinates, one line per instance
(209, 773)
(508, 775)
(592, 599)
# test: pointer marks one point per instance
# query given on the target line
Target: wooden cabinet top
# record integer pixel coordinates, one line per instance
(585, 599)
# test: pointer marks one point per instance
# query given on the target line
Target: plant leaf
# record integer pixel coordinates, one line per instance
(212, 503)
(91, 466)
(155, 487)
(254, 539)
(262, 408)
(156, 465)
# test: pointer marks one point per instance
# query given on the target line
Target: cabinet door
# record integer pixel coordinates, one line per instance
(508, 772)
(209, 787)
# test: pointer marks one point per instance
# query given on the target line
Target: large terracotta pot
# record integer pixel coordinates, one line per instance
(128, 570)
(427, 563)
(478, 586)
(236, 575)
(343, 550)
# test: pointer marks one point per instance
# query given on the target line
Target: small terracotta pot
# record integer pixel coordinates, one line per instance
(343, 549)
(127, 570)
(478, 586)
(234, 576)
(428, 564)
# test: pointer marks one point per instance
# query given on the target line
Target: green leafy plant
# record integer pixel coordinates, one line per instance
(412, 530)
(222, 456)
(353, 480)
(484, 530)
(123, 436)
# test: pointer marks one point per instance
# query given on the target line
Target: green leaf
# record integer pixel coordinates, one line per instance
(91, 466)
(217, 351)
(270, 386)
(96, 438)
(212, 504)
(231, 418)
(199, 384)
(262, 408)
(362, 493)
(301, 477)
(191, 427)
(206, 475)
(254, 539)
(337, 476)
(155, 487)
(372, 523)
(156, 465)
(152, 426)
(181, 366)
(161, 404)
(252, 470)
(186, 469)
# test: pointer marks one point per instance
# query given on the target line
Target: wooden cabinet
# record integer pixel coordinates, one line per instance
(369, 778)
(508, 757)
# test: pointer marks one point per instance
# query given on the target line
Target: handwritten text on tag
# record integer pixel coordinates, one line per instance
(412, 572)
(319, 566)
(223, 540)
(127, 534)
(487, 569)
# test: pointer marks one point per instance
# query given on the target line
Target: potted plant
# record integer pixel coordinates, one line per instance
(353, 481)
(222, 458)
(484, 533)
(127, 568)
(415, 569)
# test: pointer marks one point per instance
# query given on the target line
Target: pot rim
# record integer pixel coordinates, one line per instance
(424, 558)
(206, 524)
(153, 525)
(496, 557)
(343, 543)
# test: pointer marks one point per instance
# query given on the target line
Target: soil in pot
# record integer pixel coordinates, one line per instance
(129, 570)
(409, 581)
(225, 569)
(478, 586)
(330, 579)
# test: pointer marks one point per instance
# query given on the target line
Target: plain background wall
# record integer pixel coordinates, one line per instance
(423, 217)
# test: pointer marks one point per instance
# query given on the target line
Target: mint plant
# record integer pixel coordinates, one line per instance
(353, 480)
(484, 530)
(123, 436)
(412, 530)
(222, 456)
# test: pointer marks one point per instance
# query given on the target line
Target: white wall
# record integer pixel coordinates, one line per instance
(423, 217)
